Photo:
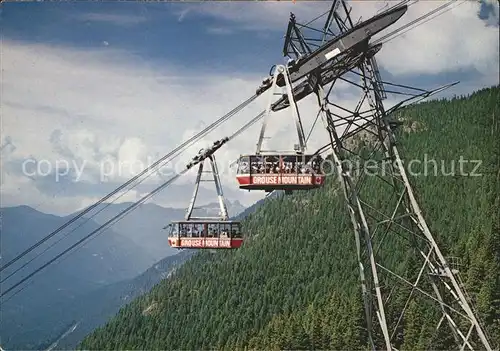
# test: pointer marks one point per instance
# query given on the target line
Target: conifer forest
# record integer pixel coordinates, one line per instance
(294, 284)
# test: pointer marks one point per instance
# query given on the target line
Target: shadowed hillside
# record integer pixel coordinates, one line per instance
(93, 309)
(294, 284)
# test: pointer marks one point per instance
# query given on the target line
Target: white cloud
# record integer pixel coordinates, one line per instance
(107, 106)
(95, 107)
(456, 40)
(73, 108)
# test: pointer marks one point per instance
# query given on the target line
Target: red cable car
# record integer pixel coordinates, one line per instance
(205, 235)
(206, 232)
(281, 170)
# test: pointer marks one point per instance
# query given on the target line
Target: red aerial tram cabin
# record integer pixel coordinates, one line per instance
(280, 172)
(271, 170)
(205, 235)
(206, 232)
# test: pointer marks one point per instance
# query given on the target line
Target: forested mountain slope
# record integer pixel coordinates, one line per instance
(294, 284)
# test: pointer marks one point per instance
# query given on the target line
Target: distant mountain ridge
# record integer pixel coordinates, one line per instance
(295, 283)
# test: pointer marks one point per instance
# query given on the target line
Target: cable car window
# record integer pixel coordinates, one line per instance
(183, 228)
(288, 164)
(197, 230)
(190, 230)
(225, 230)
(213, 230)
(244, 165)
(266, 165)
(235, 230)
(174, 229)
(316, 164)
(257, 163)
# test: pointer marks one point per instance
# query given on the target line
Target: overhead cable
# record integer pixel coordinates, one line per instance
(417, 22)
(132, 180)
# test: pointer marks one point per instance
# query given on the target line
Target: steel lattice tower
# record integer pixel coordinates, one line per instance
(365, 135)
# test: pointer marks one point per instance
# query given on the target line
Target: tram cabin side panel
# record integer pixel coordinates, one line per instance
(280, 172)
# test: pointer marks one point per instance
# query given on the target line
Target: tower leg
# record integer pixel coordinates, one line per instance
(401, 265)
(395, 223)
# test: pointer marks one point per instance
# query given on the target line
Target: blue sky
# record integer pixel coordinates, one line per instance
(94, 82)
(157, 33)
(187, 35)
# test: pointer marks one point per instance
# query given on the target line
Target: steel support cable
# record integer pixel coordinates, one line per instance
(455, 4)
(111, 221)
(133, 179)
(383, 10)
(251, 122)
(81, 224)
(358, 128)
(88, 219)
(120, 215)
(230, 114)
(408, 3)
